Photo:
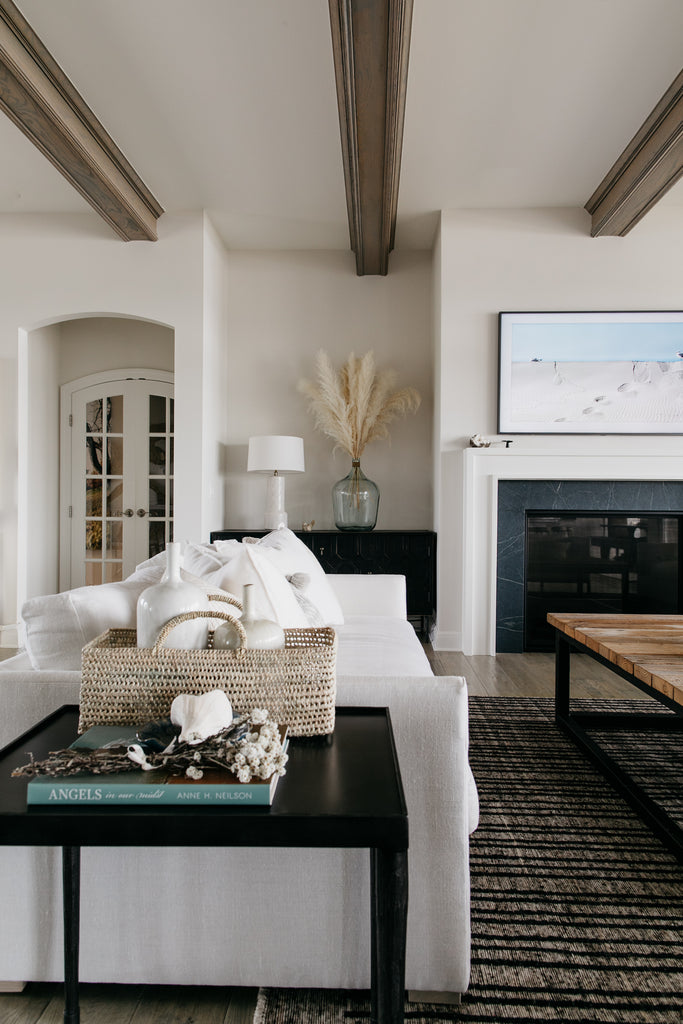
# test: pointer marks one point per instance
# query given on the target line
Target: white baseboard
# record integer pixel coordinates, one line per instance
(446, 640)
(12, 986)
(9, 635)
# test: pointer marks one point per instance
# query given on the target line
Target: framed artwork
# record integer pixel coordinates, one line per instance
(590, 373)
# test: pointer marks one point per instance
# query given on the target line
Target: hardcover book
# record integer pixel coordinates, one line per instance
(150, 788)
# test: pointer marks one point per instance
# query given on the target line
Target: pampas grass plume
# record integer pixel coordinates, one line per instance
(355, 405)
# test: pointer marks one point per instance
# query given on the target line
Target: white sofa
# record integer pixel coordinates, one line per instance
(295, 917)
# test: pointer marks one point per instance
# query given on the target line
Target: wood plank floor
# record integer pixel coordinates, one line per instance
(505, 675)
(528, 675)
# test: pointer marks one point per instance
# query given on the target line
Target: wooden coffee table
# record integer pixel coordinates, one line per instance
(646, 651)
(343, 791)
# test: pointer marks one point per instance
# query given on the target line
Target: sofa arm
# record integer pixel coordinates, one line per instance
(370, 594)
(429, 716)
(26, 697)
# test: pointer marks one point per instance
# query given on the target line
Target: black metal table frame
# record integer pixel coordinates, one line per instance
(577, 723)
(388, 879)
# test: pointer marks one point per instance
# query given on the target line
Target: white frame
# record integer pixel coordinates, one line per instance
(598, 395)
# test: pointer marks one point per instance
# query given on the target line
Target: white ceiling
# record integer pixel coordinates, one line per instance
(230, 106)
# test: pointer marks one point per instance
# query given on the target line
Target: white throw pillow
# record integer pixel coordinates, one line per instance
(201, 559)
(299, 583)
(198, 559)
(290, 555)
(58, 626)
(227, 549)
(273, 597)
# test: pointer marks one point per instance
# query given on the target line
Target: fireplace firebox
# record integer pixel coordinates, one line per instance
(627, 542)
(586, 561)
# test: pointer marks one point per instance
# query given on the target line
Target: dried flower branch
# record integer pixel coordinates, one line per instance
(355, 405)
(250, 748)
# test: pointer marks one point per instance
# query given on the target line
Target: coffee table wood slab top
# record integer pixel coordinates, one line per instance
(648, 648)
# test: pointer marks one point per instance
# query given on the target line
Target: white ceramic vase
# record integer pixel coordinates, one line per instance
(172, 596)
(262, 634)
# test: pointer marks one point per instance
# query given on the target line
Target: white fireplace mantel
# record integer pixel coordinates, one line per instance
(482, 469)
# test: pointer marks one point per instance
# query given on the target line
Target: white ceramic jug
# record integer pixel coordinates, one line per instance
(172, 596)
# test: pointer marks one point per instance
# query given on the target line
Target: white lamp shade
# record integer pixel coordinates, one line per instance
(272, 453)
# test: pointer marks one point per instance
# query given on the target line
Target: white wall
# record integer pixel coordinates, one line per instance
(41, 467)
(56, 268)
(8, 494)
(214, 372)
(526, 260)
(91, 344)
(283, 308)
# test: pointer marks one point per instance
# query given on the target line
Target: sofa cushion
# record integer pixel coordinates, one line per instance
(380, 646)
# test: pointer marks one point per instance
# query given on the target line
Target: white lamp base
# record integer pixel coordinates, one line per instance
(275, 516)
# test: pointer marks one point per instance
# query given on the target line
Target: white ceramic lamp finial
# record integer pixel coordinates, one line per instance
(275, 455)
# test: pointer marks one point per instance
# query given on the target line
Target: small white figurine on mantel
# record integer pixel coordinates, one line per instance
(477, 441)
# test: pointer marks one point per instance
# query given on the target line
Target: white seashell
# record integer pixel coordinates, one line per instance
(202, 716)
(138, 756)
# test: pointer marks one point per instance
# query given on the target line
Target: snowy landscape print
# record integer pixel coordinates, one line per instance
(591, 373)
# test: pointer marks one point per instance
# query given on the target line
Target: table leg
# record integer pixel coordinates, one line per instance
(71, 888)
(389, 874)
(562, 658)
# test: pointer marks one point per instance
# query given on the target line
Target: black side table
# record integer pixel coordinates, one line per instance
(409, 553)
(344, 792)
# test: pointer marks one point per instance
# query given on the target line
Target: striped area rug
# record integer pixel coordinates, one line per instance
(577, 909)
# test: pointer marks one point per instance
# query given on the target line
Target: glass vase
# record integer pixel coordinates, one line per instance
(355, 501)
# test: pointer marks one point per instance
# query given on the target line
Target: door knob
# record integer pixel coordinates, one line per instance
(141, 512)
(128, 512)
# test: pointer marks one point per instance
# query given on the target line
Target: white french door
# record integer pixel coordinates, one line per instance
(120, 476)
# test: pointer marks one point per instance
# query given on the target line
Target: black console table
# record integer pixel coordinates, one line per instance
(409, 553)
(340, 792)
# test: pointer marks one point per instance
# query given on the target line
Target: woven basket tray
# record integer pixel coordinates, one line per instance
(123, 684)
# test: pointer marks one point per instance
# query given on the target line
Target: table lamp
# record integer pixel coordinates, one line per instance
(275, 455)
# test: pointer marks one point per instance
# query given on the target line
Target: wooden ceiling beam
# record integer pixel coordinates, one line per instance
(371, 43)
(38, 97)
(651, 163)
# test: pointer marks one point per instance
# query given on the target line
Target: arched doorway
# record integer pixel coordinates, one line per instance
(53, 355)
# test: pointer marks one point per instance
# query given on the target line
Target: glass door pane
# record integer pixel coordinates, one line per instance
(160, 472)
(104, 468)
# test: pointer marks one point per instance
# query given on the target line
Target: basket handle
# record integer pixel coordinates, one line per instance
(188, 616)
(228, 598)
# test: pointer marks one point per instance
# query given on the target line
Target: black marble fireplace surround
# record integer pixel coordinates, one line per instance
(515, 497)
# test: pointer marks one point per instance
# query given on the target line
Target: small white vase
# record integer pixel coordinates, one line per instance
(172, 596)
(262, 634)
